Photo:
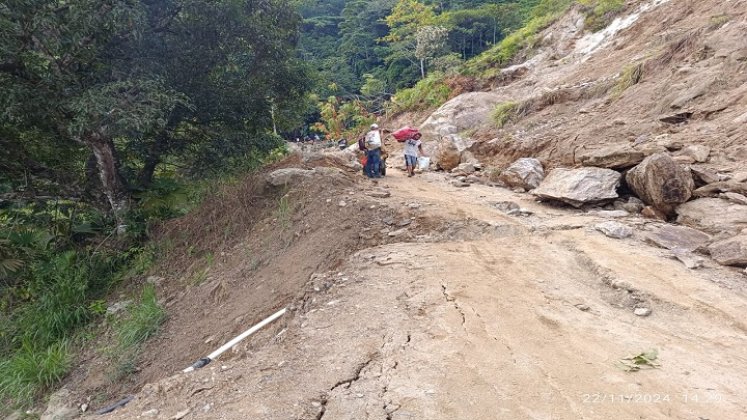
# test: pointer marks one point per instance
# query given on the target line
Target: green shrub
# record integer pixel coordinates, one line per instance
(504, 112)
(718, 21)
(599, 13)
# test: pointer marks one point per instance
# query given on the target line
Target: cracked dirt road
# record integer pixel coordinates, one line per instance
(524, 321)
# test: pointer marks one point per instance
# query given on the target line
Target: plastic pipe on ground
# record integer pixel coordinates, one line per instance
(214, 355)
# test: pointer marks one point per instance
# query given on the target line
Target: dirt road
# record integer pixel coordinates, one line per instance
(491, 317)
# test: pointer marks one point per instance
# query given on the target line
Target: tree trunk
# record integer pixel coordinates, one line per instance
(153, 158)
(146, 174)
(112, 182)
(422, 68)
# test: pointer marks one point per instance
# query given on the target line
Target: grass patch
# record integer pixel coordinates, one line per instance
(599, 13)
(428, 93)
(283, 213)
(141, 322)
(31, 370)
(715, 22)
(504, 113)
(630, 76)
(199, 276)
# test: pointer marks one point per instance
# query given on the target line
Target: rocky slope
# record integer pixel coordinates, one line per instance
(659, 96)
(665, 73)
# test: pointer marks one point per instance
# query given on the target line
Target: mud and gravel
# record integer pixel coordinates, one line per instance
(466, 314)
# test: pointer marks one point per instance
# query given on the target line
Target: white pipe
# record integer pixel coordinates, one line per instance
(214, 355)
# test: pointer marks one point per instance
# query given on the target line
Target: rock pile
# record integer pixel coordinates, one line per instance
(670, 180)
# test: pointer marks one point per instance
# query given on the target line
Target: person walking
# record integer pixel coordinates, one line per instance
(373, 144)
(413, 149)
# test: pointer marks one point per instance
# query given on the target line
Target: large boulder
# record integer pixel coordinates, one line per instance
(579, 186)
(525, 173)
(612, 157)
(661, 182)
(464, 112)
(449, 151)
(713, 215)
(678, 237)
(447, 156)
(731, 251)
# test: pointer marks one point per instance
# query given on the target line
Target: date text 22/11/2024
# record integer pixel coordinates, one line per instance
(706, 397)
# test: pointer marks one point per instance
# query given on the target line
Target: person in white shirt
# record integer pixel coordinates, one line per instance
(373, 144)
(413, 148)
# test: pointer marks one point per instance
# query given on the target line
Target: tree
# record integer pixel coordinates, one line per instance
(407, 19)
(430, 43)
(147, 79)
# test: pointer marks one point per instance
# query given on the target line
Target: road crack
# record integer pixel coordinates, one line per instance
(347, 383)
(452, 300)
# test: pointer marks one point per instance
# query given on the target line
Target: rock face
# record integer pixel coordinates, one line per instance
(579, 186)
(735, 198)
(289, 176)
(525, 173)
(614, 230)
(464, 112)
(612, 157)
(713, 215)
(661, 182)
(678, 237)
(731, 251)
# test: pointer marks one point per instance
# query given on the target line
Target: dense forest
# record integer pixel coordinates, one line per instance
(361, 53)
(352, 42)
(117, 115)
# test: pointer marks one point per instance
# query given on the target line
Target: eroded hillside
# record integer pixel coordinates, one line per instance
(662, 75)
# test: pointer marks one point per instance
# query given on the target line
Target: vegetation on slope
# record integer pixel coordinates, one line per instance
(113, 116)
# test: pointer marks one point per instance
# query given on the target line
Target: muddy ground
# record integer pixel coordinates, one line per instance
(447, 308)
